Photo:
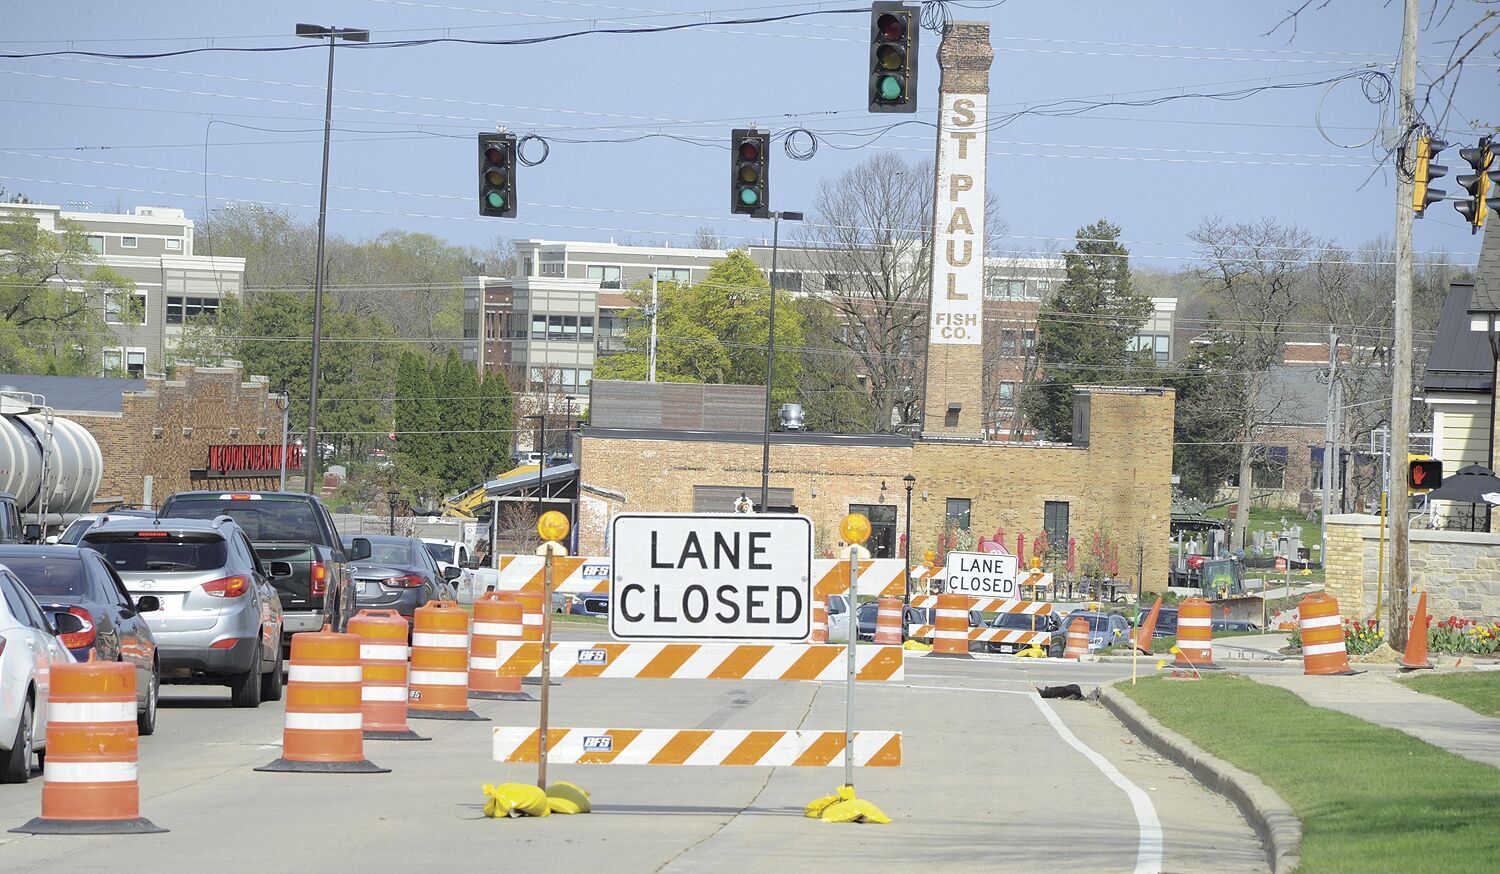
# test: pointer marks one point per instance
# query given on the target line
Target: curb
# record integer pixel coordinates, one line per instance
(1270, 816)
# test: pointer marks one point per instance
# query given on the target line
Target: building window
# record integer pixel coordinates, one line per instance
(95, 243)
(569, 378)
(882, 542)
(538, 327)
(570, 329)
(1028, 340)
(585, 329)
(127, 242)
(1268, 467)
(135, 363)
(1007, 393)
(958, 514)
(183, 310)
(1007, 289)
(833, 282)
(525, 266)
(1008, 343)
(607, 277)
(112, 360)
(554, 327)
(1055, 523)
(585, 376)
(537, 379)
(119, 306)
(174, 245)
(552, 268)
(784, 281)
(679, 275)
(1163, 348)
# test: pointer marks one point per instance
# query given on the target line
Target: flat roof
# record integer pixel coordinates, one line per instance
(810, 438)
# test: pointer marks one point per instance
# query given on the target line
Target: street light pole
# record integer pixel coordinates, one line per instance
(286, 406)
(765, 448)
(333, 35)
(906, 550)
(541, 464)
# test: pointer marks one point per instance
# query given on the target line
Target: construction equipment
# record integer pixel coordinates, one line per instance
(467, 503)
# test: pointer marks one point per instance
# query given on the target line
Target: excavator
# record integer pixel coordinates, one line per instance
(467, 504)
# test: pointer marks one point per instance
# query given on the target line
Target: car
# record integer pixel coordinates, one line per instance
(399, 575)
(590, 604)
(454, 553)
(94, 615)
(11, 528)
(297, 529)
(1166, 623)
(1047, 622)
(220, 620)
(869, 614)
(28, 649)
(1105, 629)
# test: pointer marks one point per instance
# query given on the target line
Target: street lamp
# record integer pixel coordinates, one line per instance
(541, 462)
(391, 495)
(333, 35)
(765, 449)
(906, 549)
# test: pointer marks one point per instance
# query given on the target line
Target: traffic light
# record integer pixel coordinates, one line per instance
(497, 175)
(750, 179)
(1423, 473)
(1426, 171)
(894, 29)
(1479, 184)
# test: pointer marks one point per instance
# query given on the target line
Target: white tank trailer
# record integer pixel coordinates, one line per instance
(52, 465)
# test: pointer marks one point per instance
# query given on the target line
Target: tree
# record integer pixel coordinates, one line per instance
(1210, 401)
(53, 299)
(833, 397)
(497, 414)
(1084, 336)
(416, 418)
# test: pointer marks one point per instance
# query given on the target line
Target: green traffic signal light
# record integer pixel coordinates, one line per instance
(890, 87)
(495, 199)
(750, 172)
(497, 175)
(749, 197)
(894, 52)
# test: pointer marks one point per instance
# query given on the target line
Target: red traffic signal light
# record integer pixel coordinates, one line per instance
(1424, 474)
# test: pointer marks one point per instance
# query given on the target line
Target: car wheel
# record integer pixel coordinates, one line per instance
(244, 689)
(145, 721)
(17, 765)
(270, 682)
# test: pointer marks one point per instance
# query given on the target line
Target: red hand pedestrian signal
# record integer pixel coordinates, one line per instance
(1424, 474)
(1418, 473)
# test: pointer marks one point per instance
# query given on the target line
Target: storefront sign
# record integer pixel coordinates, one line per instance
(250, 459)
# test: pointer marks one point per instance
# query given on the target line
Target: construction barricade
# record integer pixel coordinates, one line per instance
(383, 663)
(440, 663)
(1323, 651)
(90, 785)
(888, 621)
(819, 621)
(323, 731)
(950, 637)
(1077, 641)
(1195, 647)
(497, 617)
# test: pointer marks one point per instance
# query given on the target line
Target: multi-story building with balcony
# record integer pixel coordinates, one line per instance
(152, 246)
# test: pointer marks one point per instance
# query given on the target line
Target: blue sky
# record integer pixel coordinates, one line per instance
(405, 119)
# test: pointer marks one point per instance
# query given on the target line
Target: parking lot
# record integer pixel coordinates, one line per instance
(991, 775)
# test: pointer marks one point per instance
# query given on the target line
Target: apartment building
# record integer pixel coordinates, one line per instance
(153, 247)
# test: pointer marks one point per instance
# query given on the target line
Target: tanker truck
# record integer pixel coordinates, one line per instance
(50, 466)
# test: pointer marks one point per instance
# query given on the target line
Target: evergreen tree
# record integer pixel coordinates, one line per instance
(415, 412)
(1084, 332)
(497, 412)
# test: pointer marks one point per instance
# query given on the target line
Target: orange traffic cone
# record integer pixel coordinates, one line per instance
(1415, 658)
(1144, 633)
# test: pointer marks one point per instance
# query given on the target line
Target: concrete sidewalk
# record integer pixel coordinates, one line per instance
(1377, 698)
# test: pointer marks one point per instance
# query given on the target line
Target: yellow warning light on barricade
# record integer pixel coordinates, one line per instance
(552, 525)
(855, 528)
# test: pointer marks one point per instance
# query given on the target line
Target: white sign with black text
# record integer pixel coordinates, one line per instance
(677, 576)
(982, 574)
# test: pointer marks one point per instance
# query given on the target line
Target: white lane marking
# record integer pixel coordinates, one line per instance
(1148, 852)
(962, 689)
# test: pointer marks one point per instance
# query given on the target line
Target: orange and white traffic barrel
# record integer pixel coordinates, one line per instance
(324, 728)
(1323, 649)
(1077, 641)
(440, 663)
(819, 621)
(497, 617)
(382, 657)
(888, 621)
(950, 634)
(1195, 635)
(90, 783)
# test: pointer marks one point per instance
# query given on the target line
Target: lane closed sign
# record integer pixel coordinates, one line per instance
(710, 577)
(983, 574)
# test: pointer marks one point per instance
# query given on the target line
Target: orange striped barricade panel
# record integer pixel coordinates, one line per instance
(990, 605)
(668, 746)
(702, 661)
(571, 574)
(881, 577)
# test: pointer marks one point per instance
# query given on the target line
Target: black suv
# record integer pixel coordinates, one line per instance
(295, 528)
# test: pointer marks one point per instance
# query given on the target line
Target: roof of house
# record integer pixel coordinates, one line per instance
(1461, 359)
(84, 394)
(1487, 274)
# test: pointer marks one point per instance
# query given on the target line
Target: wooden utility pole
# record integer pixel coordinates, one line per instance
(1401, 378)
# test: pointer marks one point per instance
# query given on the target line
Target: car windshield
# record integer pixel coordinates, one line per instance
(156, 550)
(1096, 621)
(1022, 621)
(262, 521)
(75, 531)
(441, 552)
(50, 576)
(384, 552)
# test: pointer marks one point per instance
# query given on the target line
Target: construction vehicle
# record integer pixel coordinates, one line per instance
(467, 504)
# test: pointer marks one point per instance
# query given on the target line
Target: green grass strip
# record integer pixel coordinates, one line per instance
(1478, 691)
(1370, 798)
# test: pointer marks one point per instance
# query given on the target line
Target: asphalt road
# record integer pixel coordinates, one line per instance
(992, 776)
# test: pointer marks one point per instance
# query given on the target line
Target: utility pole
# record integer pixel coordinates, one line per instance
(333, 35)
(1401, 379)
(1328, 429)
(765, 446)
(651, 355)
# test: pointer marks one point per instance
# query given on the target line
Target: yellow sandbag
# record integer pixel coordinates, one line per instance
(917, 646)
(816, 807)
(565, 797)
(515, 799)
(844, 807)
(1032, 652)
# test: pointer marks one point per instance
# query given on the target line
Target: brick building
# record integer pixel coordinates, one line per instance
(158, 435)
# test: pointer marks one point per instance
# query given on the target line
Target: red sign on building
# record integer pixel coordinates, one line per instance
(249, 459)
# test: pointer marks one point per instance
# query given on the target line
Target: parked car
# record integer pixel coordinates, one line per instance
(1105, 629)
(869, 614)
(590, 604)
(11, 528)
(220, 620)
(399, 575)
(1166, 623)
(28, 649)
(94, 615)
(453, 553)
(294, 528)
(73, 534)
(1047, 622)
(838, 620)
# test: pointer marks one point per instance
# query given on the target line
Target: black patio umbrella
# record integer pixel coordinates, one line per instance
(1470, 485)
